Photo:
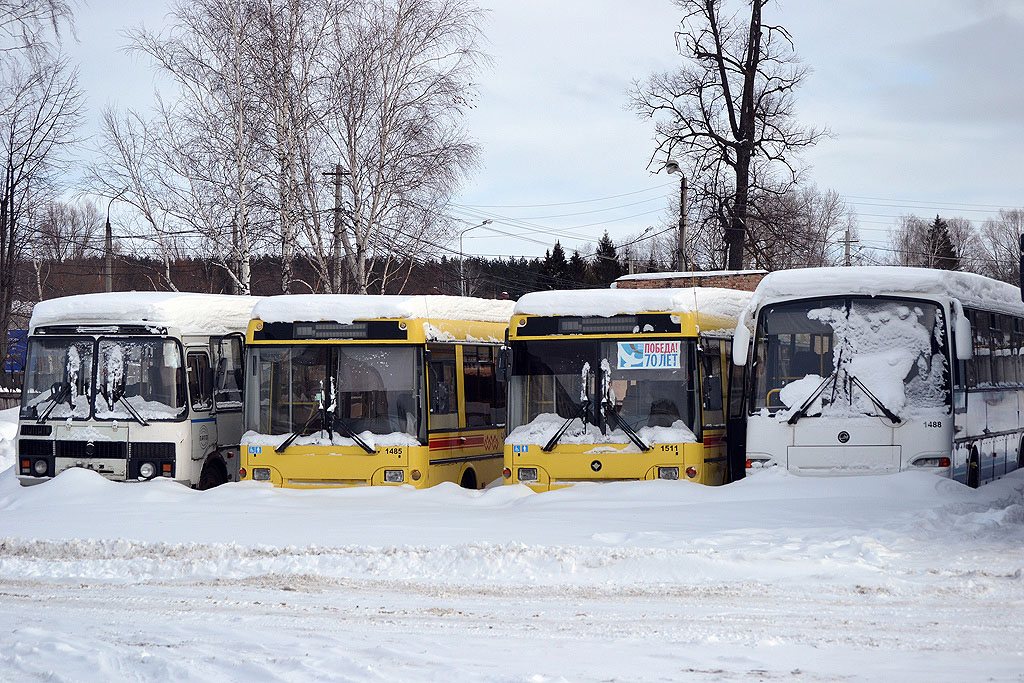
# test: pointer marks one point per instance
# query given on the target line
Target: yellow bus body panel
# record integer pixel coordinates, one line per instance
(447, 458)
(569, 464)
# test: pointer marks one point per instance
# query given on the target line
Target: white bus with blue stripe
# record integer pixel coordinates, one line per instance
(134, 386)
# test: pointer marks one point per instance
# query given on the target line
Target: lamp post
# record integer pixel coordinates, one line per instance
(109, 247)
(462, 275)
(672, 166)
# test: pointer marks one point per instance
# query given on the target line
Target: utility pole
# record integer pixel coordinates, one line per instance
(681, 246)
(338, 213)
(108, 247)
(847, 242)
(672, 166)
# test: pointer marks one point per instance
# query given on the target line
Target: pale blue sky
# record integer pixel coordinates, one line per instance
(919, 94)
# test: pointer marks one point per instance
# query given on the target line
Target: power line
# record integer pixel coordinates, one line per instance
(580, 201)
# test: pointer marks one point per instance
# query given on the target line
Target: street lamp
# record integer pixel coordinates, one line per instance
(672, 166)
(108, 267)
(462, 275)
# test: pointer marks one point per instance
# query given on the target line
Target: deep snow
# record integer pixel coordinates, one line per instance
(775, 577)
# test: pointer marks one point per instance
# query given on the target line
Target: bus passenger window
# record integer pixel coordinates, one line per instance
(444, 399)
(199, 381)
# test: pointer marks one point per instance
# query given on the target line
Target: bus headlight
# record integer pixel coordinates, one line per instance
(527, 474)
(394, 476)
(261, 474)
(147, 470)
(40, 467)
(668, 473)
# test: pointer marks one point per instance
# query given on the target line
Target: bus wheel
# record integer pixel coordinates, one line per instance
(214, 473)
(1020, 454)
(468, 479)
(973, 470)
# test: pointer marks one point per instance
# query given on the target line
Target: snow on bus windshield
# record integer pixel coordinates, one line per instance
(852, 356)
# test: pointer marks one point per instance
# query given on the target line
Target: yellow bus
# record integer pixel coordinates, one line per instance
(348, 390)
(619, 385)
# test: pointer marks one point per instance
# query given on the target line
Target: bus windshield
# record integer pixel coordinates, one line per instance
(842, 357)
(146, 373)
(551, 379)
(139, 377)
(58, 370)
(357, 388)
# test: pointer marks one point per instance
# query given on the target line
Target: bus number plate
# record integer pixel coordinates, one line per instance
(934, 424)
(393, 450)
(670, 447)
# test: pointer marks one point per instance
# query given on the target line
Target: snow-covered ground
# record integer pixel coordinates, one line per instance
(777, 577)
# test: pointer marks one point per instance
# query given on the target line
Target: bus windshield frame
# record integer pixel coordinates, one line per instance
(587, 369)
(842, 356)
(93, 376)
(337, 387)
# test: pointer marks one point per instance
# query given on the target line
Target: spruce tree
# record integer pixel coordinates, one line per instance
(555, 270)
(577, 271)
(941, 253)
(607, 268)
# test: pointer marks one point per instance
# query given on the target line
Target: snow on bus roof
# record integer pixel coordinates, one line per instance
(189, 312)
(718, 301)
(971, 289)
(346, 308)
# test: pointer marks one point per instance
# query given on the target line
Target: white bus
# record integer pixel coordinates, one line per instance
(880, 369)
(134, 386)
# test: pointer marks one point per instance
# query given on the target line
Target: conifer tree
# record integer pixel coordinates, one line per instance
(941, 253)
(606, 268)
(576, 272)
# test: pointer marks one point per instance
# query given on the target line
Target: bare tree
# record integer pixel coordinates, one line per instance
(728, 113)
(914, 243)
(801, 228)
(26, 24)
(43, 110)
(1000, 245)
(208, 146)
(400, 74)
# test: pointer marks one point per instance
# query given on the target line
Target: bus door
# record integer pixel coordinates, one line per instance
(736, 422)
(228, 383)
(713, 409)
(204, 423)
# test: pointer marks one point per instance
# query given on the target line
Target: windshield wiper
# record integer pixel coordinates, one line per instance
(297, 433)
(611, 409)
(874, 399)
(581, 413)
(806, 405)
(57, 394)
(347, 431)
(131, 409)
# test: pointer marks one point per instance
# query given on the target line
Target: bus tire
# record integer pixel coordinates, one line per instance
(974, 470)
(1020, 454)
(214, 473)
(468, 479)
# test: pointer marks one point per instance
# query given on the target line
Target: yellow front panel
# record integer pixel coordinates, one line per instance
(334, 466)
(448, 458)
(566, 465)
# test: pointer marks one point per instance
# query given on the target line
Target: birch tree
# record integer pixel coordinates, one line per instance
(401, 74)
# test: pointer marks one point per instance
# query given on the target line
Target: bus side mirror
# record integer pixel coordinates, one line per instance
(740, 344)
(962, 333)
